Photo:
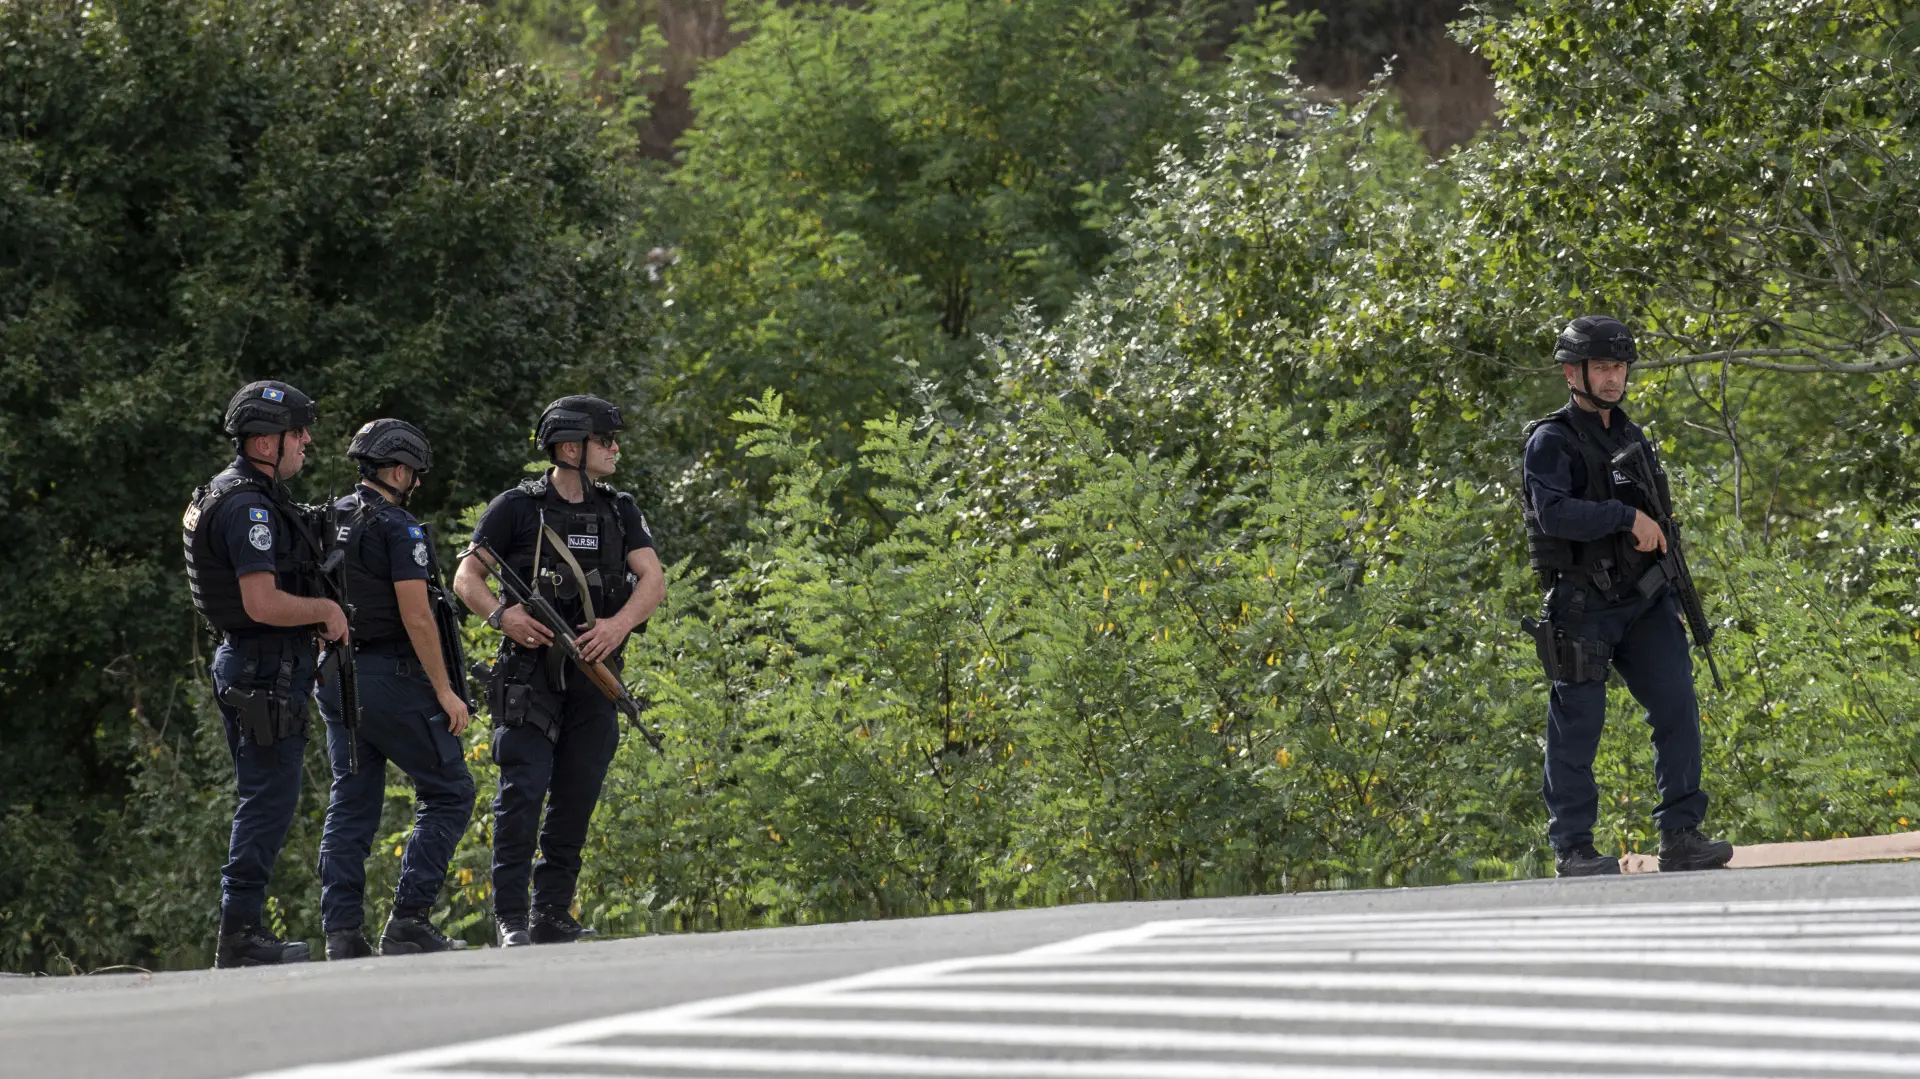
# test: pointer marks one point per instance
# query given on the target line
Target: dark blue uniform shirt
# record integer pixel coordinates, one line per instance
(1556, 476)
(248, 530)
(511, 521)
(394, 546)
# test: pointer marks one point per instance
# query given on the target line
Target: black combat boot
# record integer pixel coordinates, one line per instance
(513, 931)
(256, 946)
(1582, 860)
(347, 944)
(552, 925)
(411, 934)
(1684, 849)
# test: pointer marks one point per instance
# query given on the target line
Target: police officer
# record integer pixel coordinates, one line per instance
(252, 565)
(587, 548)
(411, 712)
(1596, 549)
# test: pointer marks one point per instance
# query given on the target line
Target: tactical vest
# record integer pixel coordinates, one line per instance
(593, 534)
(376, 609)
(1610, 564)
(216, 591)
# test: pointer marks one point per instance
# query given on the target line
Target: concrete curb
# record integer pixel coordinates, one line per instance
(1866, 848)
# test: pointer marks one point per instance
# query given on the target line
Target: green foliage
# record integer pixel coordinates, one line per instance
(1140, 690)
(868, 188)
(369, 199)
(1200, 578)
(1743, 178)
(1218, 590)
(612, 52)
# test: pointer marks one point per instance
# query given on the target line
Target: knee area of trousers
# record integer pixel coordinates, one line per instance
(458, 789)
(456, 811)
(462, 795)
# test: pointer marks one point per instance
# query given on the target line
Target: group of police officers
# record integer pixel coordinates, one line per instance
(257, 564)
(363, 577)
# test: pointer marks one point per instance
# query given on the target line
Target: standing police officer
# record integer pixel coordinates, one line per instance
(411, 712)
(587, 548)
(1608, 605)
(253, 567)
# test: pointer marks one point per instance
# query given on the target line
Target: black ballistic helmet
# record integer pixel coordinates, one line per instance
(1595, 337)
(391, 442)
(268, 408)
(577, 418)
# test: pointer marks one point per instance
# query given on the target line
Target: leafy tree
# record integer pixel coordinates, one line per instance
(369, 199)
(1215, 590)
(868, 188)
(1742, 178)
(1199, 575)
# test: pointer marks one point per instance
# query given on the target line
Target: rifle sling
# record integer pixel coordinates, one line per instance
(580, 578)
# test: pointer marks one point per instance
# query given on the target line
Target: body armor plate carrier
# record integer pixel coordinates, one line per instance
(1610, 565)
(596, 539)
(216, 591)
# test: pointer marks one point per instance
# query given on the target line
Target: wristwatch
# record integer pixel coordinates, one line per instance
(493, 619)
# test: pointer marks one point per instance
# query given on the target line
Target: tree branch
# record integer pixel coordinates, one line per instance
(1759, 357)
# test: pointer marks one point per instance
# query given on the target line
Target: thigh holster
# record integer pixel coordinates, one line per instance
(1564, 657)
(517, 693)
(264, 705)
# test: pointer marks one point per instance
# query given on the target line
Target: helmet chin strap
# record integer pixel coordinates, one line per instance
(580, 467)
(400, 498)
(279, 454)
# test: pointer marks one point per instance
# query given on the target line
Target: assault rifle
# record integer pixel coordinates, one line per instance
(333, 578)
(1638, 467)
(567, 641)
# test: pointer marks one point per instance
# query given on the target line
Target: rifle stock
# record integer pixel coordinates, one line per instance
(567, 641)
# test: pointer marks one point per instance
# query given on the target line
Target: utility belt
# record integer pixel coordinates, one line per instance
(398, 664)
(262, 697)
(1576, 660)
(1608, 581)
(388, 646)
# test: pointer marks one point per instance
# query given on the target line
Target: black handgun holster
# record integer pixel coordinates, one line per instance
(517, 694)
(265, 711)
(1572, 660)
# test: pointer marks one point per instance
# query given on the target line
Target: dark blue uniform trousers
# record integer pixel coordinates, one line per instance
(267, 777)
(1650, 654)
(565, 774)
(400, 721)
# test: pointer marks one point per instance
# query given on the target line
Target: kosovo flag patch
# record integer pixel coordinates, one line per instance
(257, 513)
(414, 532)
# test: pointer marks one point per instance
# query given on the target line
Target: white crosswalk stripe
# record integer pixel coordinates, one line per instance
(1815, 988)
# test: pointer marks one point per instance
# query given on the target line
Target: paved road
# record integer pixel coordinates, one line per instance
(1812, 971)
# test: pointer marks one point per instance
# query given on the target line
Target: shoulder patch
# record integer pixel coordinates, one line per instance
(257, 513)
(261, 537)
(419, 553)
(415, 532)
